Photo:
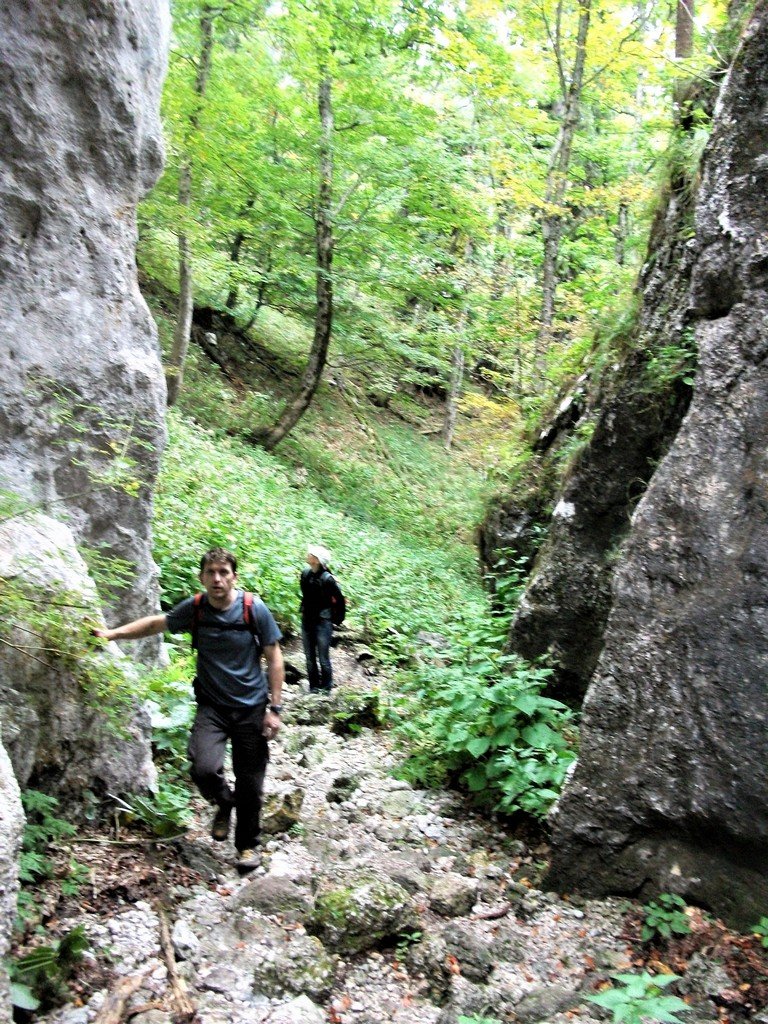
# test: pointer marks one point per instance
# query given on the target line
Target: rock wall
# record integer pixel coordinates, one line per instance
(581, 506)
(11, 826)
(565, 606)
(671, 789)
(68, 722)
(82, 388)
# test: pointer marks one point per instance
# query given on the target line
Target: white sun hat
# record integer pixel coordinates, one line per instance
(323, 555)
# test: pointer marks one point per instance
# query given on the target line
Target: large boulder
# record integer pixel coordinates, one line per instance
(360, 910)
(671, 788)
(68, 721)
(82, 387)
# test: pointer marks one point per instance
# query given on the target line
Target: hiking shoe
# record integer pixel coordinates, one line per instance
(247, 860)
(220, 824)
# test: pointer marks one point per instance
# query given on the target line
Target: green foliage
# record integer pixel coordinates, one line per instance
(664, 917)
(576, 443)
(760, 930)
(43, 843)
(356, 710)
(674, 362)
(168, 697)
(480, 719)
(640, 999)
(165, 813)
(446, 125)
(38, 979)
(44, 835)
(406, 940)
(478, 1020)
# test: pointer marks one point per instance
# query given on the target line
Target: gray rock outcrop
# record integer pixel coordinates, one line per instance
(68, 722)
(11, 827)
(82, 388)
(671, 789)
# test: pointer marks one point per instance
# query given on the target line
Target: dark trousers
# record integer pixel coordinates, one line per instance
(212, 728)
(316, 637)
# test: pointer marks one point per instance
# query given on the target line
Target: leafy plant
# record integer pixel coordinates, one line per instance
(673, 362)
(39, 978)
(406, 940)
(640, 999)
(167, 694)
(665, 917)
(761, 931)
(166, 813)
(44, 831)
(480, 719)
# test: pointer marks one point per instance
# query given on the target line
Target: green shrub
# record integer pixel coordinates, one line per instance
(44, 832)
(482, 721)
(165, 813)
(665, 917)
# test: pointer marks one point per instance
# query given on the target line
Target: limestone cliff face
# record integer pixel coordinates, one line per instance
(11, 826)
(68, 722)
(671, 788)
(82, 388)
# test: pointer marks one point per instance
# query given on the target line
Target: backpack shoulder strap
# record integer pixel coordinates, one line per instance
(197, 614)
(249, 618)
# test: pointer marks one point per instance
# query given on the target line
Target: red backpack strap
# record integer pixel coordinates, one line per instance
(248, 609)
(249, 618)
(197, 612)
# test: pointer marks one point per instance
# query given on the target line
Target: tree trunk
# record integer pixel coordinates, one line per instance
(318, 355)
(684, 29)
(457, 380)
(175, 371)
(557, 185)
(174, 374)
(234, 253)
(683, 49)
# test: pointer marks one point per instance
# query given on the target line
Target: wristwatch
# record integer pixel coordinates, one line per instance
(275, 708)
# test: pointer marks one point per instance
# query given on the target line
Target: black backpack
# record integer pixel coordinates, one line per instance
(338, 601)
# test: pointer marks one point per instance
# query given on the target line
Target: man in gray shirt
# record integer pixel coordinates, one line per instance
(235, 702)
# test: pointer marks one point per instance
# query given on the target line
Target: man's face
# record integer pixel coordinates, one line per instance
(313, 562)
(219, 581)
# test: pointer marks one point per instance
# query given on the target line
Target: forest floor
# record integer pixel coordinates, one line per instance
(177, 935)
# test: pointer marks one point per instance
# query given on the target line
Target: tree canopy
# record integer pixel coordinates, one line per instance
(484, 182)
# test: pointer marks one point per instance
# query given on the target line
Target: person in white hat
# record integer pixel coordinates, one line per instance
(321, 599)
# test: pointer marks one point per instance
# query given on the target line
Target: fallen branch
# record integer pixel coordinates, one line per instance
(500, 910)
(185, 1008)
(132, 842)
(114, 1005)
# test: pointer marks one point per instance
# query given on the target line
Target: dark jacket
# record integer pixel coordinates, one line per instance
(317, 592)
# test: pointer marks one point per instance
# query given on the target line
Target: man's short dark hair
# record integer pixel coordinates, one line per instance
(215, 555)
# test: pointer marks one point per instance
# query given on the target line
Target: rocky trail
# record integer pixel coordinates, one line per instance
(374, 904)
